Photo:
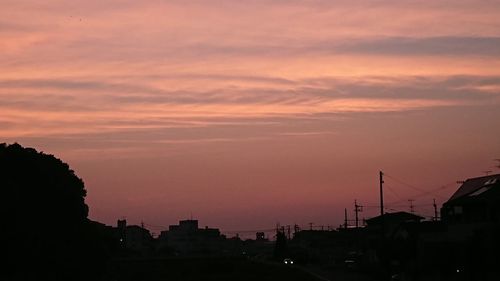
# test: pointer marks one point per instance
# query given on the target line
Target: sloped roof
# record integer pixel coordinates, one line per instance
(475, 186)
(397, 216)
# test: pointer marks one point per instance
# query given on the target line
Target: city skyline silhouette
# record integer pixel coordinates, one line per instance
(353, 138)
(458, 242)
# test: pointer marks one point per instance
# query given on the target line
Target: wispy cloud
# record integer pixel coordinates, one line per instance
(305, 134)
(429, 46)
(129, 68)
(65, 107)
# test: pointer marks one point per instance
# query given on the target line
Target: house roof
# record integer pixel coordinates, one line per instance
(397, 216)
(475, 186)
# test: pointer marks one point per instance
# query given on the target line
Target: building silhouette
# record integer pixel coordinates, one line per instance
(134, 238)
(187, 239)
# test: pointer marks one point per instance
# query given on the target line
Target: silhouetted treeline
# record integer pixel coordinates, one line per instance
(46, 234)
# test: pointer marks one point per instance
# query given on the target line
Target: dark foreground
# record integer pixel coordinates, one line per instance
(208, 269)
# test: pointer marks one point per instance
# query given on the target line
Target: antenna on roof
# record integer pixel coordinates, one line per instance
(498, 163)
(357, 209)
(435, 210)
(412, 207)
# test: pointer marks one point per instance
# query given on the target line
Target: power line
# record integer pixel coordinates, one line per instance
(429, 192)
(392, 191)
(404, 183)
(249, 231)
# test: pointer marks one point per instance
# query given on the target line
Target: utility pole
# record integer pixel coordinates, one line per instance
(412, 209)
(381, 178)
(357, 209)
(288, 231)
(345, 218)
(435, 210)
(310, 226)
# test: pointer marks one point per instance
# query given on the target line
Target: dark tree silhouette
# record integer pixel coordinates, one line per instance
(280, 248)
(46, 234)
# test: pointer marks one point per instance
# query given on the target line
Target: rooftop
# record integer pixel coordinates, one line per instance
(475, 186)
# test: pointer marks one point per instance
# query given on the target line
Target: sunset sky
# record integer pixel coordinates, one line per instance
(249, 113)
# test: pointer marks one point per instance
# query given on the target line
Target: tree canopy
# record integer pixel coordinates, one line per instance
(47, 235)
(37, 187)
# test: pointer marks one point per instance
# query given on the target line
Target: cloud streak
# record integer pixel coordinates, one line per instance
(66, 107)
(428, 46)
